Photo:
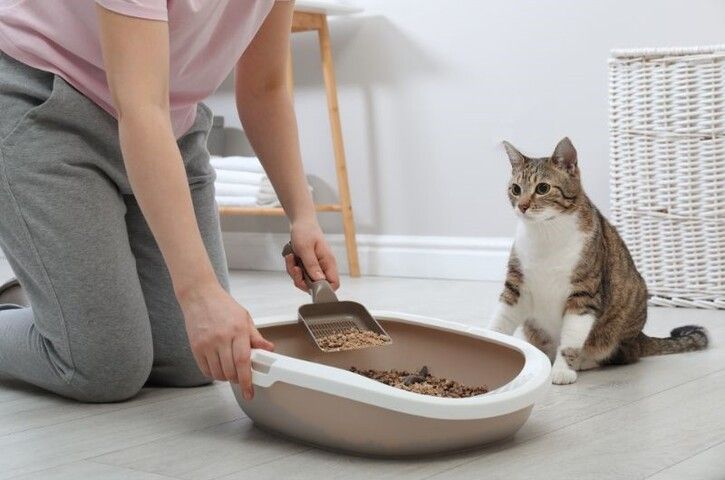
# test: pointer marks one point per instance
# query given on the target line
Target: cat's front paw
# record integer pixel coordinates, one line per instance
(563, 376)
(576, 359)
(573, 357)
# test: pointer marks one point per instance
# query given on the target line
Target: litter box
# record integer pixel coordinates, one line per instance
(310, 395)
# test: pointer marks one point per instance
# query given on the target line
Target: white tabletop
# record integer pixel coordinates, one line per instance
(328, 7)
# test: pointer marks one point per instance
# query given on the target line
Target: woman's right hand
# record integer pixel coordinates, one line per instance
(221, 334)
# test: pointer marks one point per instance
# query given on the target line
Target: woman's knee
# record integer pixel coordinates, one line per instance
(182, 372)
(113, 375)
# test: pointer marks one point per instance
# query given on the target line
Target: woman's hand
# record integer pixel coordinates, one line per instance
(310, 245)
(221, 334)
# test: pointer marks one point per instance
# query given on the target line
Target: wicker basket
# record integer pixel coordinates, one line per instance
(667, 125)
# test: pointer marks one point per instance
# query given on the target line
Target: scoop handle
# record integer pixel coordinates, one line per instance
(321, 290)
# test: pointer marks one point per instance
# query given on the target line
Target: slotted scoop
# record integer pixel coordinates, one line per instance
(327, 316)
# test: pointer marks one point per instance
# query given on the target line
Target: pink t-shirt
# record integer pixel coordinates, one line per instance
(206, 37)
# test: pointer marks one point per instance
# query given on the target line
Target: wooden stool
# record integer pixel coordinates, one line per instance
(311, 15)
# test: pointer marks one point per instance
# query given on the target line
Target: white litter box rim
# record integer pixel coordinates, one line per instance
(521, 392)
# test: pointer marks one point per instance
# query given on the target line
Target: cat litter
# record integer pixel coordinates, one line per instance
(422, 382)
(351, 339)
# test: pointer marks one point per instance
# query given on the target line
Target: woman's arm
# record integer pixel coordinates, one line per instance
(136, 58)
(265, 109)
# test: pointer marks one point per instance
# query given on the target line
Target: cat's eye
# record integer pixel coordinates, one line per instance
(543, 188)
(515, 190)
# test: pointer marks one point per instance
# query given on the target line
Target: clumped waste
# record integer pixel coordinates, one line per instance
(422, 382)
(351, 339)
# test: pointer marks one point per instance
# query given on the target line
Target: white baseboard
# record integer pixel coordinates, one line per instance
(454, 258)
(461, 258)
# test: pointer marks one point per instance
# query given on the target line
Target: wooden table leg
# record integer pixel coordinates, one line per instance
(348, 222)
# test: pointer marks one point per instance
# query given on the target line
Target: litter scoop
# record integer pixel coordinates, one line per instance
(336, 325)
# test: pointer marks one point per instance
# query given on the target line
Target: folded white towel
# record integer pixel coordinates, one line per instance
(236, 190)
(236, 201)
(266, 187)
(241, 181)
(247, 201)
(240, 178)
(237, 163)
(268, 200)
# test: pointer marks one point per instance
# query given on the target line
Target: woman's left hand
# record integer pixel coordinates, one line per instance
(310, 245)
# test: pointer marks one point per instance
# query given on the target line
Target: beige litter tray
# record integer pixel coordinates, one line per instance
(310, 395)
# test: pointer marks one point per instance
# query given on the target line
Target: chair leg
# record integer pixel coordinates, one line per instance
(348, 222)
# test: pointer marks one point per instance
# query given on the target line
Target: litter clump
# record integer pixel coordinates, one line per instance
(351, 339)
(422, 382)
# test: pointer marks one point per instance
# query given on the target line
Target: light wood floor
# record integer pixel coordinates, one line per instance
(660, 419)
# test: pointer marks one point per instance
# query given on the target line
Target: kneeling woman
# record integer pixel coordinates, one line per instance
(107, 212)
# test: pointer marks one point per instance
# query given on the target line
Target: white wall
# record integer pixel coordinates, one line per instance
(429, 88)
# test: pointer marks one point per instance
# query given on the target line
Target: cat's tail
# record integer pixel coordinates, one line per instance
(682, 339)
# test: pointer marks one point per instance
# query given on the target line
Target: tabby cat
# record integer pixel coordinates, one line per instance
(571, 282)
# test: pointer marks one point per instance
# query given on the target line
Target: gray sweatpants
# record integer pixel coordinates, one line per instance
(104, 319)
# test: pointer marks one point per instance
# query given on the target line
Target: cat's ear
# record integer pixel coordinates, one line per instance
(565, 156)
(515, 157)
